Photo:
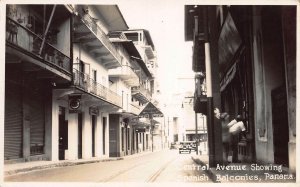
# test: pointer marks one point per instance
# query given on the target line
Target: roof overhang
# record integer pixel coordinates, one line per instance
(125, 113)
(128, 45)
(113, 17)
(143, 66)
(147, 35)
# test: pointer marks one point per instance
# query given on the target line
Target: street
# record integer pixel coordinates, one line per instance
(162, 166)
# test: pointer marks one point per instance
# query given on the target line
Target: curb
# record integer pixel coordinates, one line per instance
(210, 174)
(56, 165)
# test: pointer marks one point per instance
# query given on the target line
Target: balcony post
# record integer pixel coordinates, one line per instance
(46, 31)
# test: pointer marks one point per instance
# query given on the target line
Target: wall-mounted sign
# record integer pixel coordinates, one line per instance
(94, 111)
(140, 130)
(157, 115)
(144, 116)
(74, 103)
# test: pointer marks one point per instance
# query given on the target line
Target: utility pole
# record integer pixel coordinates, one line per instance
(204, 138)
(213, 87)
(168, 132)
(196, 129)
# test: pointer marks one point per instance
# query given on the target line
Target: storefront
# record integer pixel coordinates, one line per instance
(235, 85)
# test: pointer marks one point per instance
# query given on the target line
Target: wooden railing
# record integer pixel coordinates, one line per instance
(134, 109)
(142, 90)
(22, 37)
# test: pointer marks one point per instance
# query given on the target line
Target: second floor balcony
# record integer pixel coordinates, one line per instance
(141, 94)
(90, 34)
(25, 44)
(134, 109)
(127, 74)
(88, 85)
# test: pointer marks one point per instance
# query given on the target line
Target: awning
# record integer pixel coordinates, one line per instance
(150, 111)
(228, 77)
(228, 44)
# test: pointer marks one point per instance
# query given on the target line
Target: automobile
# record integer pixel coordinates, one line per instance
(187, 146)
(193, 146)
(174, 146)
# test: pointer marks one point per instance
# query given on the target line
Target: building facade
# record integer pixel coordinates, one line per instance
(74, 84)
(255, 56)
(38, 58)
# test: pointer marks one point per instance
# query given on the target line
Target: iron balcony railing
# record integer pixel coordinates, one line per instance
(134, 109)
(22, 37)
(142, 90)
(89, 85)
(104, 39)
(123, 71)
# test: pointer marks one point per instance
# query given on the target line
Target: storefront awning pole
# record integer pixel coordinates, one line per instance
(46, 31)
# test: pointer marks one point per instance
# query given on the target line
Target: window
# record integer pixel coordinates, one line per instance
(81, 66)
(132, 36)
(94, 74)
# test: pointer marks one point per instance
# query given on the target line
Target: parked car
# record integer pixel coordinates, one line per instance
(187, 146)
(174, 146)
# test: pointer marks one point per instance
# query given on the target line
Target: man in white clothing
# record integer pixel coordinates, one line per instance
(236, 127)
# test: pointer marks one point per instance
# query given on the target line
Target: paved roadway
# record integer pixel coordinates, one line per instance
(162, 166)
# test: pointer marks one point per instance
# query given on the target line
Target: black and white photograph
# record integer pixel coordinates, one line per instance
(140, 92)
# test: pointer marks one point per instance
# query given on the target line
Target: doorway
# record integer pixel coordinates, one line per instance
(103, 134)
(93, 134)
(280, 126)
(63, 134)
(79, 135)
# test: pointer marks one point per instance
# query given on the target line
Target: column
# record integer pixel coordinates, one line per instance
(98, 137)
(52, 131)
(49, 112)
(106, 135)
(86, 134)
(213, 95)
(72, 152)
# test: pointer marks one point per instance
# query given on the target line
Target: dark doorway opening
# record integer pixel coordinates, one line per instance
(93, 134)
(280, 126)
(103, 134)
(63, 134)
(79, 135)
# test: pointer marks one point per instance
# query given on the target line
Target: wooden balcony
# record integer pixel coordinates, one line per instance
(22, 44)
(141, 94)
(134, 109)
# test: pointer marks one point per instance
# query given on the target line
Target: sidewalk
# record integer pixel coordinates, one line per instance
(18, 168)
(246, 172)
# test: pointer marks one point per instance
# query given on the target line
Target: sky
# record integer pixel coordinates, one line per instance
(165, 22)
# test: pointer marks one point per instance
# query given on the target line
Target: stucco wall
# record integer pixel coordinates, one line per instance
(94, 64)
(268, 75)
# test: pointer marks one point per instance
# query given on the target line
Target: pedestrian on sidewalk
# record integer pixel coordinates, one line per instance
(224, 117)
(236, 130)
